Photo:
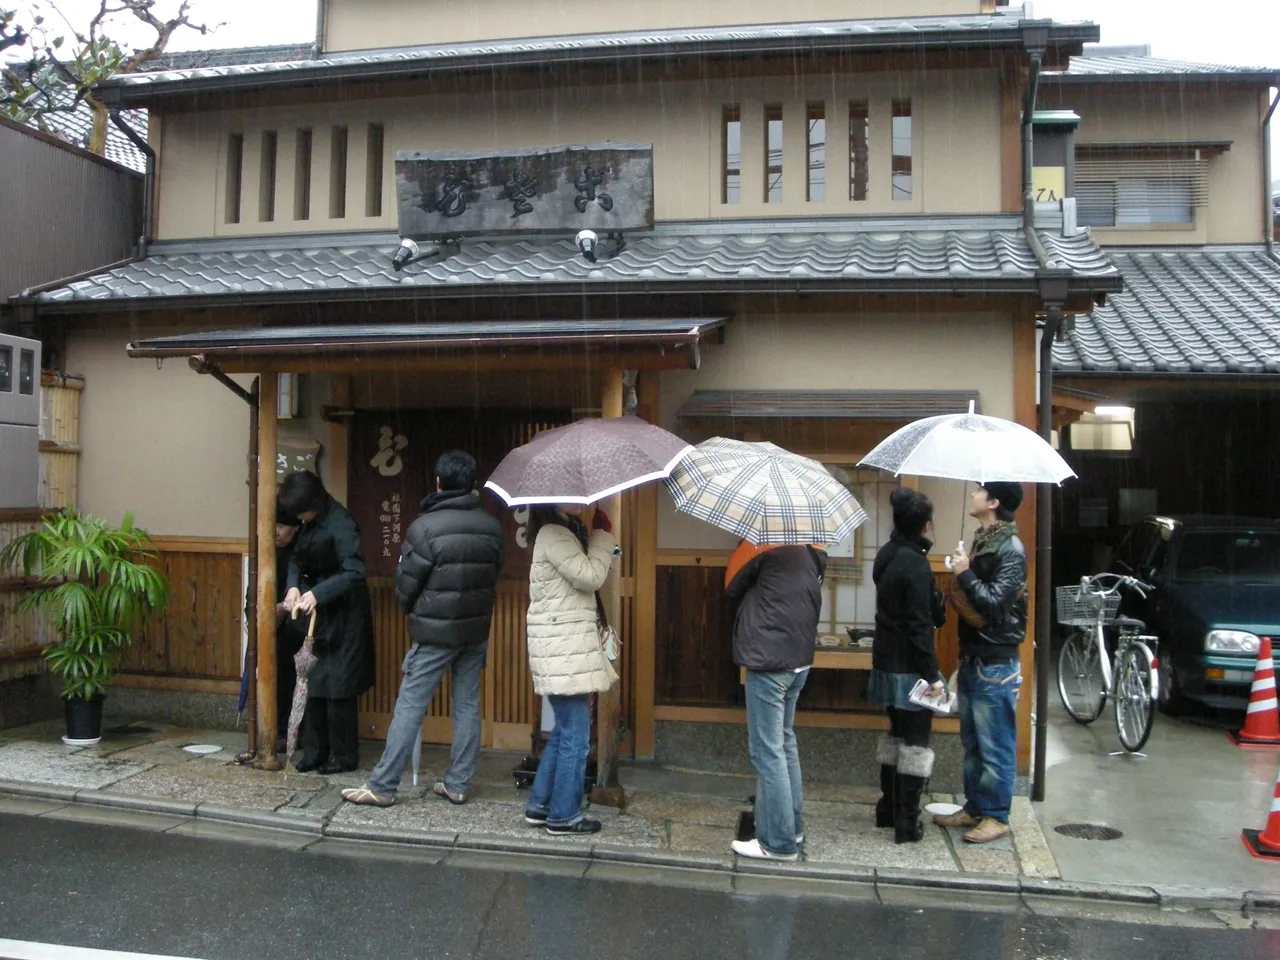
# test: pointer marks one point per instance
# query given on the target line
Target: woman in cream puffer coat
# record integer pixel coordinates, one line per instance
(565, 656)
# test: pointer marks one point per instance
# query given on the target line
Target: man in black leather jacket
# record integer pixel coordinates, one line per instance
(993, 624)
(446, 583)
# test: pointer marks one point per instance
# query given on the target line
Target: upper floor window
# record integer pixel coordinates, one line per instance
(1136, 191)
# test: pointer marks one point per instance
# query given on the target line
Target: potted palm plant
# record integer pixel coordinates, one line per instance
(94, 584)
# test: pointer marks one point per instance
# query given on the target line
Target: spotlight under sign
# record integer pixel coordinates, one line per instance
(605, 187)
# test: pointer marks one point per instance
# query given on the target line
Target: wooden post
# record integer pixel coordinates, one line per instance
(265, 546)
(1024, 407)
(646, 578)
(607, 792)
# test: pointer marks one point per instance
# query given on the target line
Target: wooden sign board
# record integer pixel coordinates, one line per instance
(598, 186)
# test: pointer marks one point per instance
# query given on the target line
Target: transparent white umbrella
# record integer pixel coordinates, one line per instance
(969, 446)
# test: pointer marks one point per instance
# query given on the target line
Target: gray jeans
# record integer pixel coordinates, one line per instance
(424, 667)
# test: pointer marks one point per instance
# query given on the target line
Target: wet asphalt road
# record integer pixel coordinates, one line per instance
(107, 887)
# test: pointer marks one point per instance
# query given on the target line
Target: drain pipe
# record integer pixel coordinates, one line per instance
(1268, 213)
(148, 183)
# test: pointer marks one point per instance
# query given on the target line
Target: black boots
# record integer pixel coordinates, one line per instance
(887, 754)
(915, 765)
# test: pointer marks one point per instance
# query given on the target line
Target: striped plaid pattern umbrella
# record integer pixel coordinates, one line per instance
(763, 494)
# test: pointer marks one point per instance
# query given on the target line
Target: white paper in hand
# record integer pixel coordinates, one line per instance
(944, 703)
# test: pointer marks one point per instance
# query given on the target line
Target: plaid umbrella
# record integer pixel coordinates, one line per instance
(763, 494)
(303, 661)
(586, 461)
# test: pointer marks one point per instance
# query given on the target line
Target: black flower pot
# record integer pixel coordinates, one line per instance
(84, 721)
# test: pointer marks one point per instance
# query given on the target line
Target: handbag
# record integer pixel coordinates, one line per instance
(610, 642)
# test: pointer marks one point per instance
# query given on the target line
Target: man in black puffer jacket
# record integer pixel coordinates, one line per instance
(446, 583)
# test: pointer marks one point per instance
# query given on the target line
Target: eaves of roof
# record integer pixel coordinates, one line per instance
(986, 31)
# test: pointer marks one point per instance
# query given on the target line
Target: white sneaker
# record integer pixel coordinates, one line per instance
(752, 849)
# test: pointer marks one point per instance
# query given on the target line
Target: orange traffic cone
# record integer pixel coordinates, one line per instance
(1266, 845)
(1262, 723)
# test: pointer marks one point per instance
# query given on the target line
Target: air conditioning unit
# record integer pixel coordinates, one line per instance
(19, 422)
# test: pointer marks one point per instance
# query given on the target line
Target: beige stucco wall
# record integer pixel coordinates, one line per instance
(1171, 112)
(164, 443)
(859, 352)
(956, 132)
(367, 24)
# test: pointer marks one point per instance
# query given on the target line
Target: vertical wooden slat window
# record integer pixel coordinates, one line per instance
(731, 155)
(267, 181)
(859, 149)
(373, 171)
(338, 174)
(302, 177)
(235, 176)
(773, 153)
(902, 170)
(816, 124)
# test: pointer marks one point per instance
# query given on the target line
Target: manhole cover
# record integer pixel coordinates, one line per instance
(1088, 831)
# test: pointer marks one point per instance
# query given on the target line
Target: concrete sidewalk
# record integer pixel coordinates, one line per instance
(674, 818)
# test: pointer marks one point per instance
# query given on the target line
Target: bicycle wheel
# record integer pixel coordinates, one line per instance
(1080, 682)
(1135, 710)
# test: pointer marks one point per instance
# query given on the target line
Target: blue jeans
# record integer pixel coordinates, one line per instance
(989, 733)
(771, 738)
(558, 787)
(424, 667)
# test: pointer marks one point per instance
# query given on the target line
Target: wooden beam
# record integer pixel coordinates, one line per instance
(607, 791)
(339, 441)
(268, 400)
(1024, 407)
(644, 659)
(350, 364)
(142, 681)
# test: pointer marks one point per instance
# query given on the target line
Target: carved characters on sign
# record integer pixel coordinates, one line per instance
(387, 460)
(520, 188)
(586, 187)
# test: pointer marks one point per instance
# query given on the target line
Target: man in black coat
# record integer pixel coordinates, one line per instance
(993, 624)
(446, 583)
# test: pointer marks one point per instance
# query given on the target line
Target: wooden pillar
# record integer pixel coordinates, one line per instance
(608, 704)
(265, 545)
(645, 629)
(1024, 407)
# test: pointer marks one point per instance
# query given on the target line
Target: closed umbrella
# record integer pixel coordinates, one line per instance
(303, 661)
(763, 494)
(586, 461)
(969, 446)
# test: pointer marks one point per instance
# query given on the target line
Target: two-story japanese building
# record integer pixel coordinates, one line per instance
(816, 233)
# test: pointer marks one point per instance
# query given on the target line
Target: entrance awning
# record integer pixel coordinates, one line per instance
(369, 346)
(825, 404)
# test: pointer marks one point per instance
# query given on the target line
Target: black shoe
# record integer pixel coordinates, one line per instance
(581, 827)
(336, 766)
(306, 766)
(535, 819)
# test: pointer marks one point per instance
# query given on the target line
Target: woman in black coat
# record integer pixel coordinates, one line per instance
(327, 574)
(908, 610)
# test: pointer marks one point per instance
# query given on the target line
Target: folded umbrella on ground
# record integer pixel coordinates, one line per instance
(586, 461)
(763, 494)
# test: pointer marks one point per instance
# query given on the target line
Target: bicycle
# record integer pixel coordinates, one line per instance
(1086, 680)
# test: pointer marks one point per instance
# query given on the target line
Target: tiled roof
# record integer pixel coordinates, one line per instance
(973, 253)
(1139, 68)
(1002, 27)
(1182, 311)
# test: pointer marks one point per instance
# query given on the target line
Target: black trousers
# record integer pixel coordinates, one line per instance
(912, 727)
(330, 731)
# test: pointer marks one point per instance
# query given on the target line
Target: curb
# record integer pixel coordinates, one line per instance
(1248, 903)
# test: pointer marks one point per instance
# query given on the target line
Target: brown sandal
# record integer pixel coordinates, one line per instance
(457, 799)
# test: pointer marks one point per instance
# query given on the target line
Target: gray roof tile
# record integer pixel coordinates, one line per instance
(988, 252)
(1001, 26)
(1140, 67)
(1182, 311)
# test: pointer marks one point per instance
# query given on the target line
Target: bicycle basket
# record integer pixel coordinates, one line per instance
(1079, 609)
